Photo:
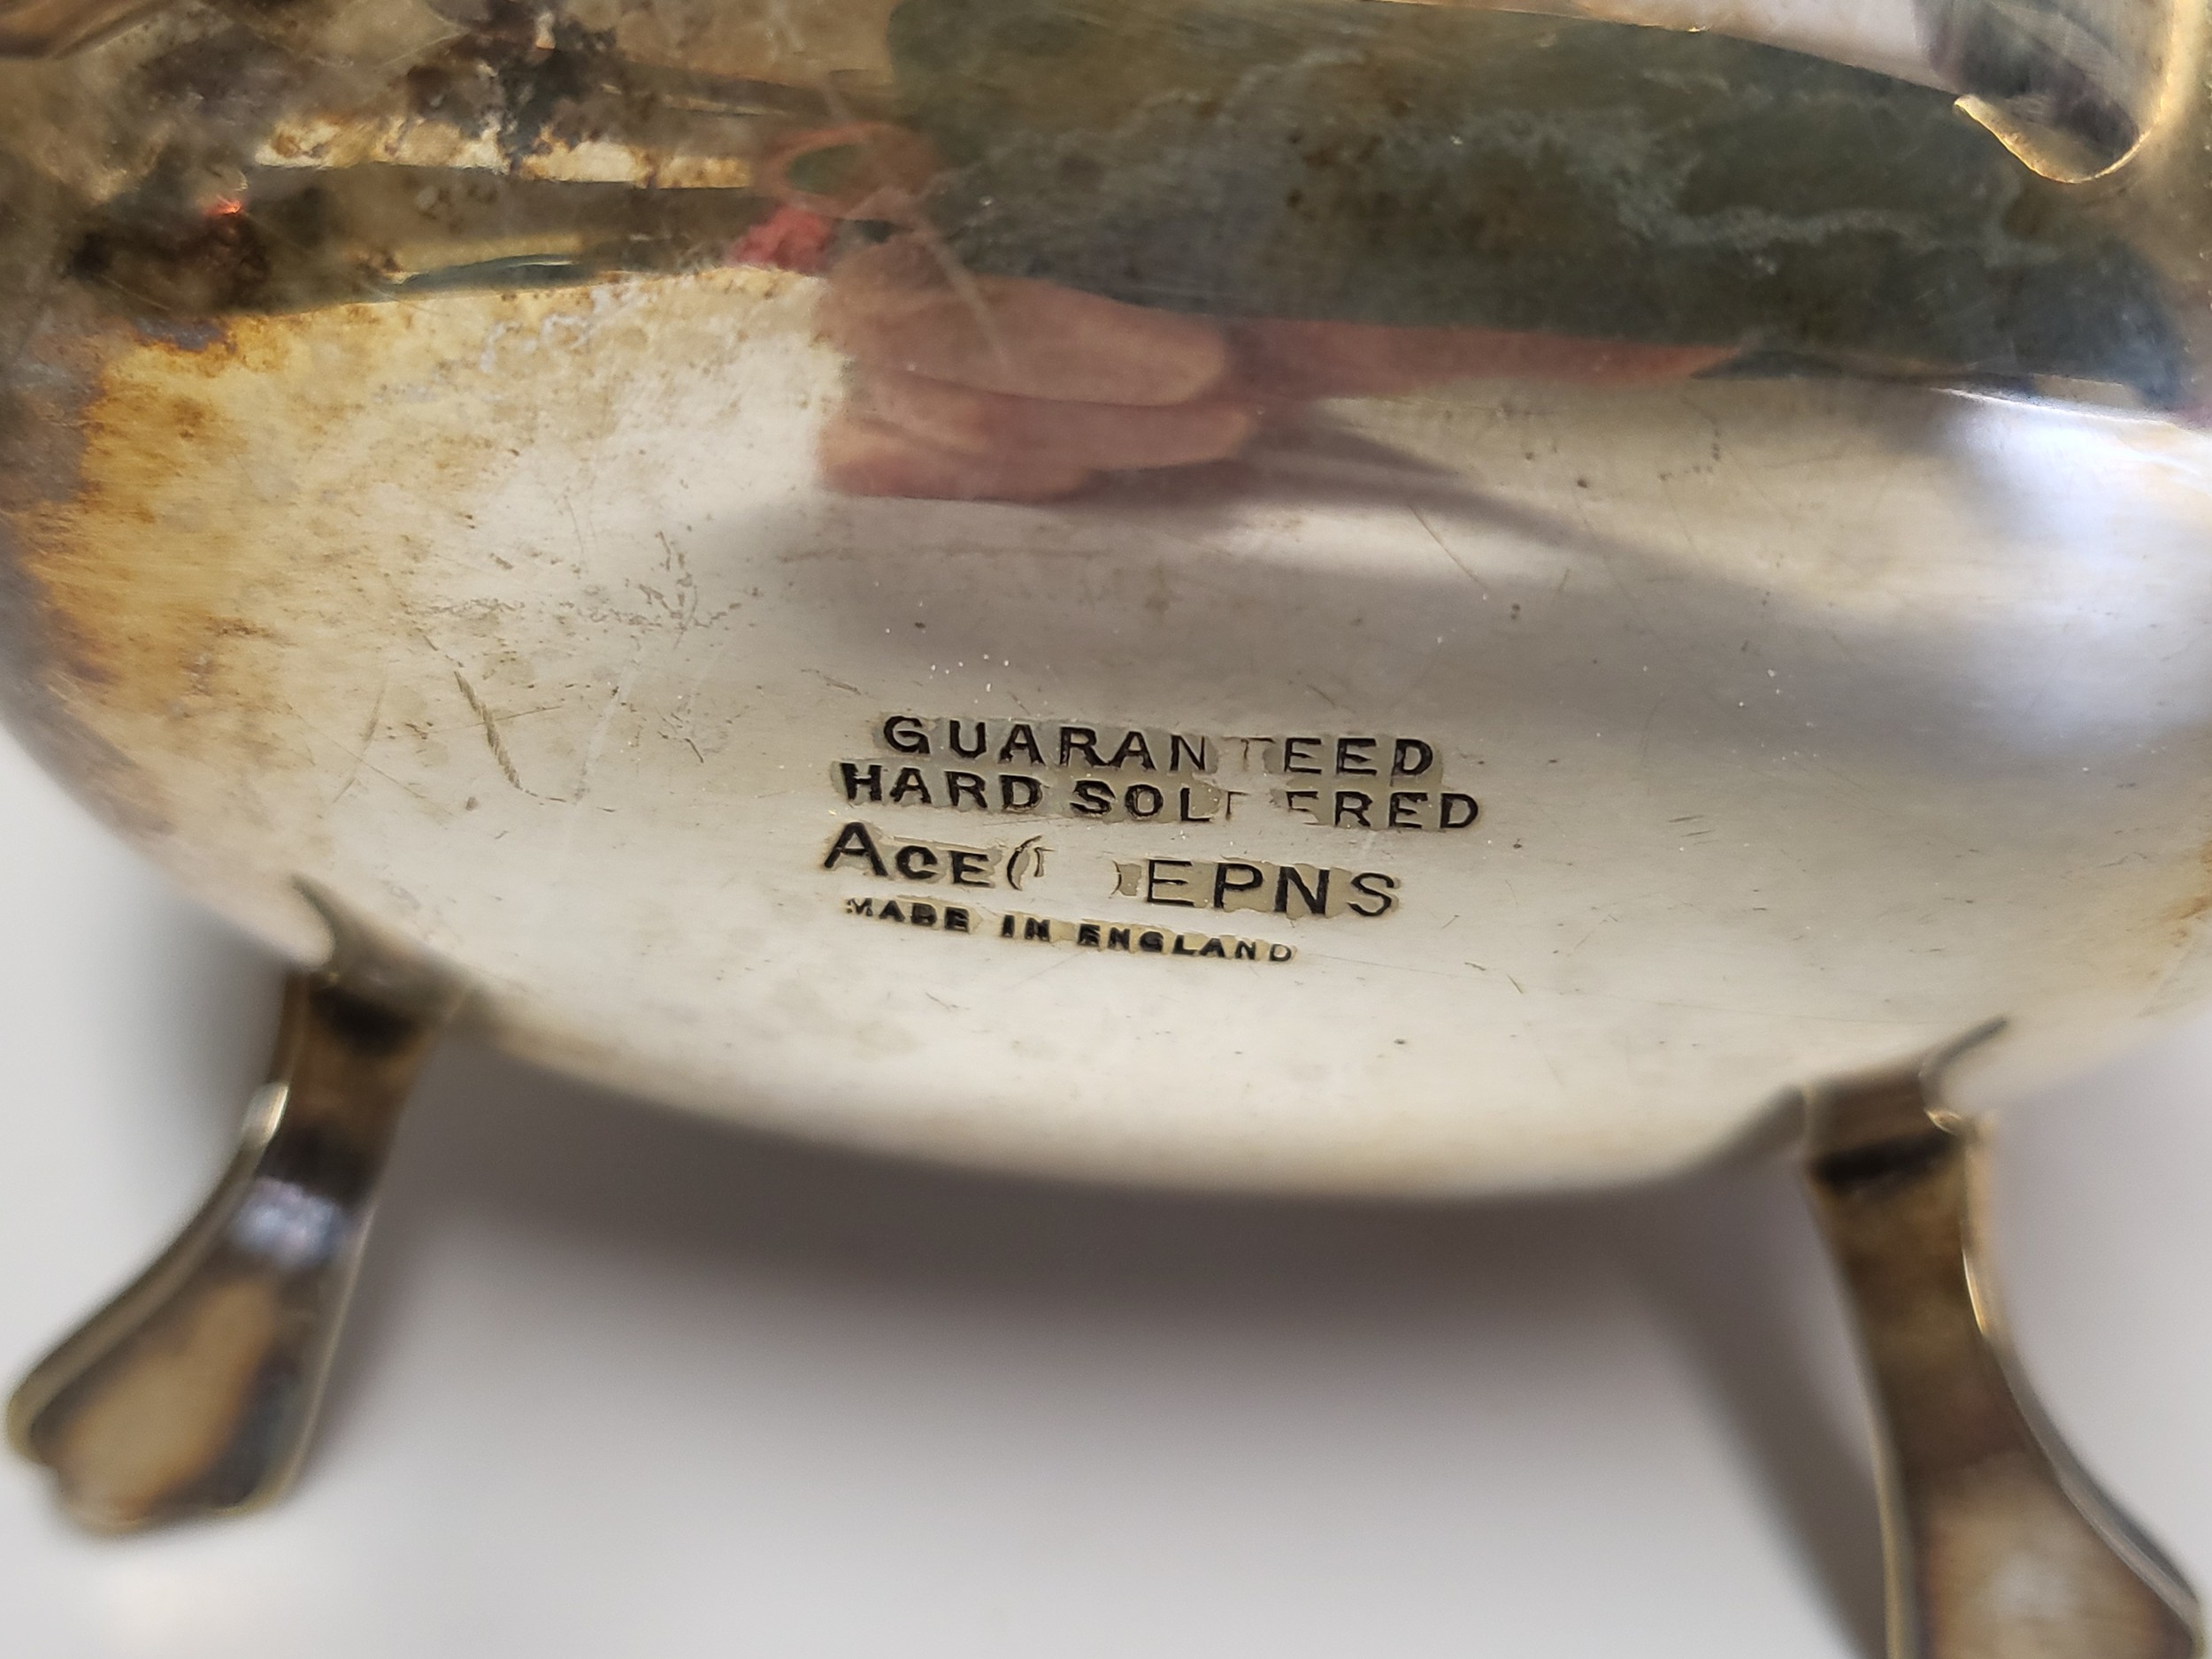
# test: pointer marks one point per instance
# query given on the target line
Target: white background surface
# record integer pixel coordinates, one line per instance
(621, 1383)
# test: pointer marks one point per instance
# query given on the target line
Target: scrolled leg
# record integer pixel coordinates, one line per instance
(1999, 1546)
(194, 1391)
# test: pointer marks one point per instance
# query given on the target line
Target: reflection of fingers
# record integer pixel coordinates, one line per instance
(1289, 359)
(861, 456)
(894, 306)
(1103, 435)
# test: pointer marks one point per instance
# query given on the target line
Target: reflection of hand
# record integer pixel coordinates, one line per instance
(984, 387)
(1003, 388)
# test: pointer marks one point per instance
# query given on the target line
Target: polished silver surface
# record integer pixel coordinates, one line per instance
(830, 568)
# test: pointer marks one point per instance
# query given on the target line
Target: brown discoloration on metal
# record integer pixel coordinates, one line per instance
(366, 592)
(2192, 906)
(243, 541)
(154, 632)
(41, 443)
(186, 550)
(149, 439)
(139, 617)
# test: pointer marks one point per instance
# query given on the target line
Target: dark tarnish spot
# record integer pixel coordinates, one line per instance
(1860, 1171)
(538, 88)
(191, 267)
(184, 335)
(199, 570)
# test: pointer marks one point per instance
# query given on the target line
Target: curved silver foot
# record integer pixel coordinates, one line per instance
(194, 1391)
(1999, 1546)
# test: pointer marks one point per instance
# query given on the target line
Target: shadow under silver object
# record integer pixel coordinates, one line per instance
(1361, 598)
